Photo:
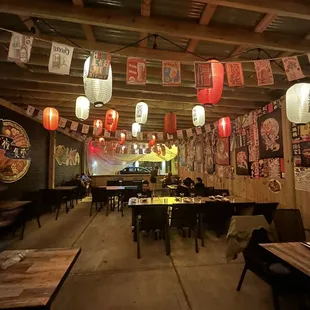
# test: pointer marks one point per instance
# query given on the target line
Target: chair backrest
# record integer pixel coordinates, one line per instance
(222, 192)
(184, 216)
(267, 209)
(244, 208)
(199, 190)
(289, 225)
(161, 192)
(98, 194)
(152, 217)
(209, 191)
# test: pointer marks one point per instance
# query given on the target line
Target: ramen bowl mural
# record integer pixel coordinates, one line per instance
(14, 151)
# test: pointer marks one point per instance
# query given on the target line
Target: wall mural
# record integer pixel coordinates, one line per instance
(14, 151)
(222, 151)
(66, 156)
(242, 161)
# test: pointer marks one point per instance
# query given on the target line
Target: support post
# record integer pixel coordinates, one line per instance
(51, 160)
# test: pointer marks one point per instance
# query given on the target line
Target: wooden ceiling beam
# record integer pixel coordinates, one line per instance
(204, 20)
(166, 26)
(146, 12)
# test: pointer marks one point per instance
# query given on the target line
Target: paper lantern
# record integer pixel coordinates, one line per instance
(198, 115)
(122, 139)
(98, 127)
(297, 103)
(50, 119)
(224, 127)
(170, 124)
(135, 129)
(213, 94)
(97, 91)
(142, 111)
(101, 140)
(152, 141)
(82, 108)
(111, 120)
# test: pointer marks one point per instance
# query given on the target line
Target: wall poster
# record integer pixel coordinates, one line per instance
(222, 151)
(66, 156)
(14, 151)
(242, 161)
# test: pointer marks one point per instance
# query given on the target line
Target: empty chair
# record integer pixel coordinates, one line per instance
(36, 198)
(99, 195)
(289, 225)
(267, 209)
(209, 191)
(161, 192)
(221, 192)
(54, 199)
(113, 183)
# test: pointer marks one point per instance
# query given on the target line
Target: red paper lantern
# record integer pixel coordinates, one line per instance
(152, 141)
(224, 127)
(111, 120)
(170, 124)
(213, 94)
(122, 139)
(50, 119)
(98, 127)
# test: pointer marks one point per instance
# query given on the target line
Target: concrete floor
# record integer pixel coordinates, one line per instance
(107, 275)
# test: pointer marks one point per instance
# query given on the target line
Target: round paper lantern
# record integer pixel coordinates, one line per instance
(50, 119)
(97, 91)
(170, 124)
(98, 127)
(199, 115)
(122, 139)
(213, 94)
(142, 111)
(111, 120)
(224, 127)
(136, 127)
(82, 108)
(297, 103)
(152, 141)
(101, 140)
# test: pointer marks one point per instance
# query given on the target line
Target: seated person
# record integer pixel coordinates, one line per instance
(167, 180)
(185, 187)
(199, 187)
(146, 192)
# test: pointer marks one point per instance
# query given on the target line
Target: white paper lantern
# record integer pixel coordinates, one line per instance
(142, 111)
(99, 92)
(136, 127)
(298, 103)
(199, 115)
(82, 108)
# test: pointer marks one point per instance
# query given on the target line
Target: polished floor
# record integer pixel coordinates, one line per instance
(107, 275)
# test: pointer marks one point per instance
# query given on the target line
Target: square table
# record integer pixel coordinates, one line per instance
(293, 253)
(34, 282)
(12, 205)
(68, 191)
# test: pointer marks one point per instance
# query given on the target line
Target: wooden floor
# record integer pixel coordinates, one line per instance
(108, 275)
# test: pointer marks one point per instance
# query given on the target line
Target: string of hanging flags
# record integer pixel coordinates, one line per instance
(136, 70)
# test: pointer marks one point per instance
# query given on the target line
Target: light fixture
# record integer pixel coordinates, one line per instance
(135, 129)
(82, 108)
(198, 115)
(142, 110)
(50, 119)
(224, 127)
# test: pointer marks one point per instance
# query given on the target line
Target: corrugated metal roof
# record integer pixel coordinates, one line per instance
(183, 9)
(12, 22)
(289, 25)
(68, 29)
(214, 49)
(115, 36)
(231, 16)
(130, 6)
(163, 44)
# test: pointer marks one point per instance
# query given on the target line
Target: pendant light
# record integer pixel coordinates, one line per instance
(135, 129)
(152, 141)
(170, 123)
(142, 110)
(298, 103)
(111, 120)
(50, 119)
(98, 127)
(122, 139)
(82, 108)
(198, 115)
(224, 127)
(98, 92)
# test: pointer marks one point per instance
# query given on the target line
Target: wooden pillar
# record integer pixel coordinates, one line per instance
(51, 160)
(290, 193)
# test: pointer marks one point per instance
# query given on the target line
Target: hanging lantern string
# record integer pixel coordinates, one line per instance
(171, 42)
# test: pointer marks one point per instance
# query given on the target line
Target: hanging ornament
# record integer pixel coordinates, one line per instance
(135, 129)
(122, 139)
(101, 140)
(213, 94)
(82, 108)
(98, 92)
(142, 111)
(297, 103)
(170, 124)
(224, 127)
(50, 119)
(111, 120)
(199, 115)
(98, 127)
(152, 141)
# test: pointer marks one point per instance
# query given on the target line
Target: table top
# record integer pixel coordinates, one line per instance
(12, 205)
(119, 188)
(172, 186)
(293, 253)
(65, 188)
(33, 281)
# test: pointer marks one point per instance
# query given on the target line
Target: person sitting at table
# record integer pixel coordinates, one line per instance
(167, 180)
(199, 187)
(146, 192)
(185, 187)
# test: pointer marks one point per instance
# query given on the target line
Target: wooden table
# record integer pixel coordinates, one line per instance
(12, 205)
(293, 253)
(119, 188)
(35, 281)
(65, 188)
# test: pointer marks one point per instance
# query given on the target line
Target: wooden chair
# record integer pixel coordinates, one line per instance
(99, 195)
(209, 191)
(267, 209)
(221, 192)
(36, 198)
(54, 199)
(289, 225)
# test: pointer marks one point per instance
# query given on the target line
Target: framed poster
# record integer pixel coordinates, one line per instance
(222, 151)
(270, 135)
(242, 161)
(305, 154)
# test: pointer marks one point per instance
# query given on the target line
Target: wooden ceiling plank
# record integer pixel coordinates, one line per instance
(165, 26)
(146, 12)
